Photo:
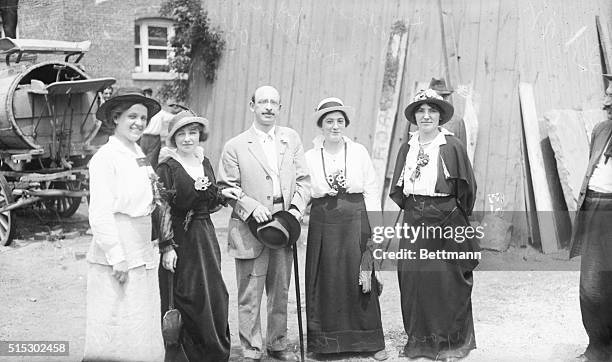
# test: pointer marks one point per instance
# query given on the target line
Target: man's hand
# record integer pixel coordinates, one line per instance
(231, 193)
(120, 272)
(169, 260)
(261, 214)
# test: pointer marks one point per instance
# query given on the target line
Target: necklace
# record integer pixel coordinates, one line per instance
(330, 179)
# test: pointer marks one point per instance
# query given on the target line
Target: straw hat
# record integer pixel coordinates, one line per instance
(332, 104)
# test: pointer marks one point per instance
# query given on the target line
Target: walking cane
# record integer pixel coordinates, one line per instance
(298, 299)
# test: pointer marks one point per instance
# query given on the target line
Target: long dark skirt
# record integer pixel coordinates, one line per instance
(340, 317)
(199, 294)
(596, 277)
(435, 294)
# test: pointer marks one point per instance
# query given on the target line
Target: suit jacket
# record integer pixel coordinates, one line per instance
(599, 139)
(243, 165)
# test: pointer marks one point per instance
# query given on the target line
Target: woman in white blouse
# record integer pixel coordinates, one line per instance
(342, 306)
(123, 308)
(433, 182)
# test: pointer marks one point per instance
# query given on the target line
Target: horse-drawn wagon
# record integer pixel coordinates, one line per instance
(48, 128)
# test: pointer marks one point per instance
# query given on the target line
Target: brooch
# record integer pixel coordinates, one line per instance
(202, 183)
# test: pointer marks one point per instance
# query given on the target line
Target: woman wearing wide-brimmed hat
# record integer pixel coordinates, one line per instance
(434, 183)
(123, 310)
(193, 256)
(342, 306)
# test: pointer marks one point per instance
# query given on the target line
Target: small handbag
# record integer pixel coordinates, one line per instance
(172, 321)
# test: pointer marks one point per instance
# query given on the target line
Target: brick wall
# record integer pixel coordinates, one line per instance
(108, 24)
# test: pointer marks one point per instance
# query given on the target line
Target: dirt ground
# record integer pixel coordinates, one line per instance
(518, 315)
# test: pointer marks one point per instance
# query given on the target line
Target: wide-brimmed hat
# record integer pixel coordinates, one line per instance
(129, 95)
(439, 85)
(332, 104)
(429, 96)
(184, 118)
(283, 230)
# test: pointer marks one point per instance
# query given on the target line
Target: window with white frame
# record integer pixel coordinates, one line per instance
(151, 45)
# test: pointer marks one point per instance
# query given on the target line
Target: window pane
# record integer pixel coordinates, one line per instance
(158, 35)
(158, 68)
(137, 34)
(157, 54)
(137, 57)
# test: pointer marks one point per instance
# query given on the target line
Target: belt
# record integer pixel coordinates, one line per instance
(278, 200)
(598, 195)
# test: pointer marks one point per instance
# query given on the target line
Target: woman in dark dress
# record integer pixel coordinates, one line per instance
(433, 182)
(194, 255)
(342, 305)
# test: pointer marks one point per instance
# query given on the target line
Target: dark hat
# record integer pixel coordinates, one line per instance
(127, 95)
(429, 96)
(184, 118)
(439, 85)
(283, 230)
(333, 104)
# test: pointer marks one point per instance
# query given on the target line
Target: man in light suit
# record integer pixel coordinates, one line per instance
(592, 238)
(266, 163)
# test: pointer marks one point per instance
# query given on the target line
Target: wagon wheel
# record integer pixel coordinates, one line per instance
(63, 206)
(7, 226)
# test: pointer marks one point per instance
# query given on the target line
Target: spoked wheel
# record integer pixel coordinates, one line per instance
(63, 206)
(7, 226)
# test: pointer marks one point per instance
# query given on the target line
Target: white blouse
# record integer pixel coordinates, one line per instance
(360, 177)
(425, 184)
(118, 185)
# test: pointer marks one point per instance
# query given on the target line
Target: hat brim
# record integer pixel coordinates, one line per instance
(348, 110)
(446, 109)
(294, 225)
(151, 104)
(185, 121)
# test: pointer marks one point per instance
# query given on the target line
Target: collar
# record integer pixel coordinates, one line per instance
(170, 152)
(318, 141)
(117, 144)
(263, 135)
(439, 140)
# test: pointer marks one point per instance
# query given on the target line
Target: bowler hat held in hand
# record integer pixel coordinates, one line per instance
(283, 230)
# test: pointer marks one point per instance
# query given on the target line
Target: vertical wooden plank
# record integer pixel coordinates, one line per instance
(392, 80)
(542, 195)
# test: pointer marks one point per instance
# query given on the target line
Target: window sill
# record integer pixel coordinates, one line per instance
(156, 76)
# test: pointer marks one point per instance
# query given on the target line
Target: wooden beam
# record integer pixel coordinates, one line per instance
(541, 191)
(605, 44)
(387, 113)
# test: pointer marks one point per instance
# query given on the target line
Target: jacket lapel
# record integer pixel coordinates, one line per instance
(257, 151)
(281, 146)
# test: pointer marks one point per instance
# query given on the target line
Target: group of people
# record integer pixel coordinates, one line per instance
(265, 176)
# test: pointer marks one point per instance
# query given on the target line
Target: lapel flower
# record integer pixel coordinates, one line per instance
(202, 183)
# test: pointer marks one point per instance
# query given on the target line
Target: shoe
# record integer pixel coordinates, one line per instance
(451, 359)
(283, 355)
(381, 355)
(248, 359)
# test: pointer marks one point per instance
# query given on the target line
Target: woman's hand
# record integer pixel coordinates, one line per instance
(120, 272)
(169, 260)
(365, 281)
(332, 192)
(231, 193)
